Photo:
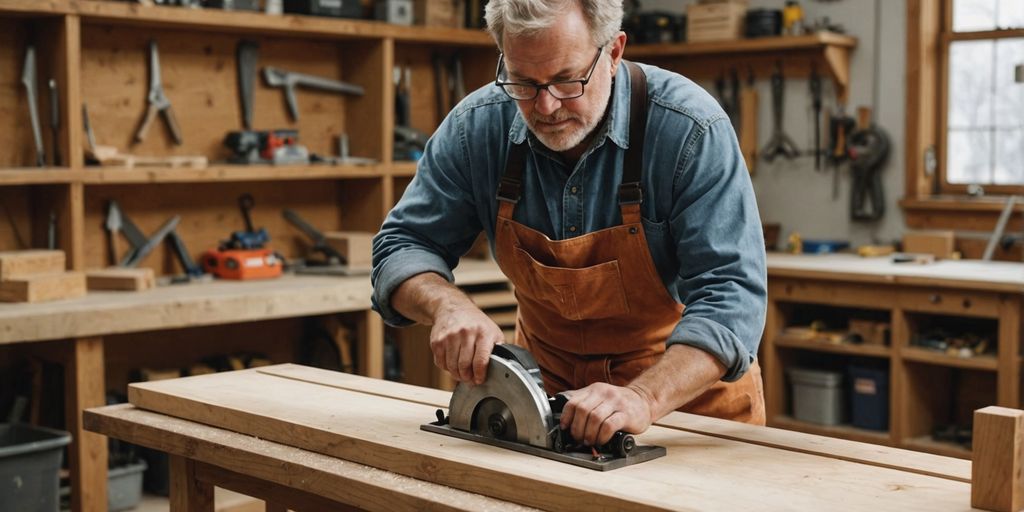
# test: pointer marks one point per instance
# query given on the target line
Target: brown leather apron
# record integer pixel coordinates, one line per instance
(593, 308)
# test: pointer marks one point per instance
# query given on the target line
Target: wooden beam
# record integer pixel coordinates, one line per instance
(187, 492)
(923, 28)
(278, 498)
(997, 480)
(87, 455)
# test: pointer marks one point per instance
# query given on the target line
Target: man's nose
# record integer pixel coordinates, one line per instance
(545, 103)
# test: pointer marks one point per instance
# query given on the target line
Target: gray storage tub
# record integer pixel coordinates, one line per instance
(817, 396)
(30, 460)
(124, 486)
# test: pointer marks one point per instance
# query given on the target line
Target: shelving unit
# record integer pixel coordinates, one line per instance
(928, 388)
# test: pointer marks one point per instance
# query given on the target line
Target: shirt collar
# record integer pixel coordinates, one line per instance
(615, 127)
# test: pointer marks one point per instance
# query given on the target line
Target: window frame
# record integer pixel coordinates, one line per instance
(946, 39)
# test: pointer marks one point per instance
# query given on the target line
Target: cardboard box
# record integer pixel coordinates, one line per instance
(440, 13)
(940, 244)
(715, 21)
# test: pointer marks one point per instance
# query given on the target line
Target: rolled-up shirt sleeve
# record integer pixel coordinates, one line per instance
(433, 224)
(720, 247)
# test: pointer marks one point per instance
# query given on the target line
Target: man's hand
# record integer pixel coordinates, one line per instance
(594, 413)
(461, 340)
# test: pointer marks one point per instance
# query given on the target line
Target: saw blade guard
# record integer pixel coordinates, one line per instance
(510, 401)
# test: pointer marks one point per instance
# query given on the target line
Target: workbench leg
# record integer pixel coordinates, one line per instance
(188, 493)
(371, 350)
(997, 483)
(87, 455)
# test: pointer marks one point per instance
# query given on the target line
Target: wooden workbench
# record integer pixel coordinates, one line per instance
(927, 388)
(352, 421)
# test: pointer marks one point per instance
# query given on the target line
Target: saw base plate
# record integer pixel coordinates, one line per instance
(582, 459)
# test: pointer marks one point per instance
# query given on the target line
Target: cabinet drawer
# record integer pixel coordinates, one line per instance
(944, 300)
(831, 293)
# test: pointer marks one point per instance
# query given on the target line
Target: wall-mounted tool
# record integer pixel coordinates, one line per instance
(409, 142)
(780, 143)
(512, 410)
(114, 224)
(331, 261)
(157, 100)
(868, 147)
(247, 55)
(139, 252)
(288, 81)
(748, 122)
(192, 271)
(90, 137)
(815, 84)
(278, 147)
(28, 79)
(51, 232)
(839, 127)
(55, 121)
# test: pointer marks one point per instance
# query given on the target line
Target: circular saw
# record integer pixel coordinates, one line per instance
(512, 410)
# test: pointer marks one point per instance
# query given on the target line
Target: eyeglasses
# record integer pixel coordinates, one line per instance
(560, 89)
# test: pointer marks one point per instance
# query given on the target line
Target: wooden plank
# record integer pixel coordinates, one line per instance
(923, 86)
(115, 278)
(1008, 380)
(17, 264)
(384, 432)
(358, 485)
(170, 307)
(760, 45)
(187, 492)
(998, 473)
(233, 173)
(87, 454)
(278, 497)
(921, 463)
(43, 287)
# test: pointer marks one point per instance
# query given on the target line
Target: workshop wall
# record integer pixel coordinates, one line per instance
(792, 193)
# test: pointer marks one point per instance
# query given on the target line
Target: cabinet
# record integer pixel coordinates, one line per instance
(814, 302)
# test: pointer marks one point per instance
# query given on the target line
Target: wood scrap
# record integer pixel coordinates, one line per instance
(120, 279)
(43, 287)
(109, 156)
(16, 264)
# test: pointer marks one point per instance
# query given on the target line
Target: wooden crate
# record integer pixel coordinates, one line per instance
(440, 13)
(715, 21)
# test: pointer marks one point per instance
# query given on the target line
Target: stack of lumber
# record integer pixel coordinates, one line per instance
(37, 276)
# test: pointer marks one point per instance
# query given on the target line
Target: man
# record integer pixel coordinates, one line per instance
(612, 195)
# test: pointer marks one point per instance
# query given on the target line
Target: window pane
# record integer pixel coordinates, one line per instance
(970, 84)
(1009, 98)
(969, 158)
(1011, 14)
(1009, 169)
(969, 15)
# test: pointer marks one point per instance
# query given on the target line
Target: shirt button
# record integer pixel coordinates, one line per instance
(572, 229)
(573, 190)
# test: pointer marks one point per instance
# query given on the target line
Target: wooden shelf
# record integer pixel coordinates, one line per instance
(790, 341)
(708, 59)
(923, 355)
(841, 431)
(403, 169)
(37, 176)
(132, 14)
(227, 172)
(927, 444)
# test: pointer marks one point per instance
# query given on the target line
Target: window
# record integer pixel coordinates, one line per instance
(984, 95)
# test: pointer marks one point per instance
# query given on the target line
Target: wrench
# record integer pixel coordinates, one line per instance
(28, 79)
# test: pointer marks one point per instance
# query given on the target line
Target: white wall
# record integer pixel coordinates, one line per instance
(792, 193)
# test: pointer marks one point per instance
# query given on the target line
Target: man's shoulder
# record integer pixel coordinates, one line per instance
(678, 96)
(487, 100)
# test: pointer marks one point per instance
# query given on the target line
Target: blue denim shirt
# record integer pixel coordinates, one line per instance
(699, 211)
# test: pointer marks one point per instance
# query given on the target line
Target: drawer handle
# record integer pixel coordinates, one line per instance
(935, 298)
(967, 303)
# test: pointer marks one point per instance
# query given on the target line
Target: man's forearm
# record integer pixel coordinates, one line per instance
(682, 374)
(422, 296)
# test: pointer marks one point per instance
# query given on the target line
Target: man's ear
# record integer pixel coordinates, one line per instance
(616, 48)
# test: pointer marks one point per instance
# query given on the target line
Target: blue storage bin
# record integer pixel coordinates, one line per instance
(869, 397)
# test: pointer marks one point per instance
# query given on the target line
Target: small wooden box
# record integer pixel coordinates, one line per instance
(355, 246)
(715, 21)
(871, 332)
(940, 244)
(439, 13)
(17, 264)
(122, 279)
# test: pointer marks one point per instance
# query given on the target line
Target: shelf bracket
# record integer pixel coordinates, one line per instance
(838, 60)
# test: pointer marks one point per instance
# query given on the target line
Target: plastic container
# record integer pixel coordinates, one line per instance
(124, 486)
(30, 460)
(817, 396)
(869, 397)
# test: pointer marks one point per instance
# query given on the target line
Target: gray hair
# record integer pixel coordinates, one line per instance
(528, 17)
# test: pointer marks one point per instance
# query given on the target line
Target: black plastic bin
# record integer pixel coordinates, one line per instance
(869, 392)
(30, 460)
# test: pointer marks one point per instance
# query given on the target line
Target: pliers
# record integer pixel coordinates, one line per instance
(158, 101)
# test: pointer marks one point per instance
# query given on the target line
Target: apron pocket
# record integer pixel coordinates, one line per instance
(587, 293)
